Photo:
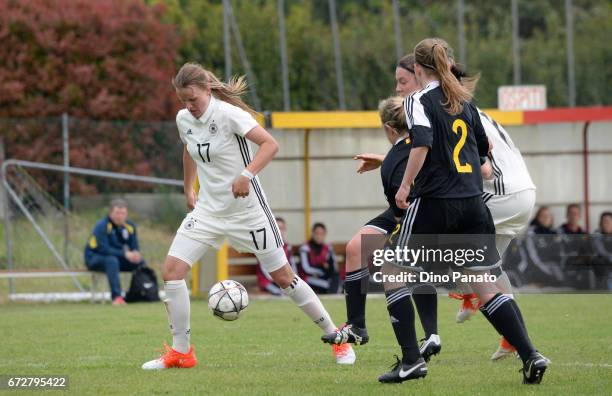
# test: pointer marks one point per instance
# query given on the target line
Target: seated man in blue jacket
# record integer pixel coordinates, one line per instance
(113, 247)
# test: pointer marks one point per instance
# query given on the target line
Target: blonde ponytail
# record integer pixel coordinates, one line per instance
(230, 92)
(391, 112)
(435, 55)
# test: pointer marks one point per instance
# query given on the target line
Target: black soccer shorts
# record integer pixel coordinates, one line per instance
(384, 222)
(456, 232)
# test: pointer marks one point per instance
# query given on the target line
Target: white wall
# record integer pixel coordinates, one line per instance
(345, 200)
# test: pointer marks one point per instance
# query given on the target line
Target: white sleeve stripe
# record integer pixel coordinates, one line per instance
(407, 110)
(411, 109)
(417, 113)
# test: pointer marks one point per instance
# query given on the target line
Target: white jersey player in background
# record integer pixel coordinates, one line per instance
(215, 128)
(509, 193)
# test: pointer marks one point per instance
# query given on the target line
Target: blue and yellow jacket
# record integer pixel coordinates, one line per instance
(110, 239)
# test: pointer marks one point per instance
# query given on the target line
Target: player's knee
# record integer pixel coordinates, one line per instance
(174, 269)
(353, 254)
(353, 247)
(284, 282)
(169, 274)
(283, 276)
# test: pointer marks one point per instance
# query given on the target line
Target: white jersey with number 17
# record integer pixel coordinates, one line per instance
(216, 142)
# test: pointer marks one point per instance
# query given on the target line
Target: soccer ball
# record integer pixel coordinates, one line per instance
(227, 299)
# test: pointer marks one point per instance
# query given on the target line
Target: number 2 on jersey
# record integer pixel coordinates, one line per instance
(459, 124)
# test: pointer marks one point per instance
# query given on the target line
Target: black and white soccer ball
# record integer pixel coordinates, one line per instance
(228, 299)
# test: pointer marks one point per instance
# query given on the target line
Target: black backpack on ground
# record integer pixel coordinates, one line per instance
(143, 286)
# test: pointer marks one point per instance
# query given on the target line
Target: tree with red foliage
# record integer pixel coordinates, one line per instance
(100, 60)
(109, 59)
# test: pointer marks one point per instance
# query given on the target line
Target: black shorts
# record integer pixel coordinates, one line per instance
(384, 222)
(437, 225)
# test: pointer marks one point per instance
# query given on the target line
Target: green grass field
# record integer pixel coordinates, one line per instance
(274, 349)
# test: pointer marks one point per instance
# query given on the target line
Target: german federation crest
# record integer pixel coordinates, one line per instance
(213, 128)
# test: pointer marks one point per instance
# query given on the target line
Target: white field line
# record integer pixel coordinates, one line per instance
(581, 364)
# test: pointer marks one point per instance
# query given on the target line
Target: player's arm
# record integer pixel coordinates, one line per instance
(422, 140)
(482, 142)
(189, 178)
(268, 147)
(486, 170)
(413, 167)
(369, 161)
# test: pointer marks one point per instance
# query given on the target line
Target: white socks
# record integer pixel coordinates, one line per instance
(178, 308)
(504, 285)
(305, 298)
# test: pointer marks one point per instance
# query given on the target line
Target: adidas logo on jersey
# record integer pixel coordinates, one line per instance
(189, 132)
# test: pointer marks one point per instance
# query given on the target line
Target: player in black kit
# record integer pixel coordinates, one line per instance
(444, 183)
(371, 235)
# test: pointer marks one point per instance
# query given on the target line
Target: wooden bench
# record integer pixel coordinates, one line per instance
(242, 267)
(60, 273)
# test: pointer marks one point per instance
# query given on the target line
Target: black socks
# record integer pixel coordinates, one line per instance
(505, 316)
(356, 290)
(401, 313)
(426, 301)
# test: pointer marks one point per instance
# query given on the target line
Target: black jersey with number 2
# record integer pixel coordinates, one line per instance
(456, 144)
(392, 172)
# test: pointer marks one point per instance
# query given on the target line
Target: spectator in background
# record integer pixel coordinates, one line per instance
(544, 249)
(573, 216)
(113, 247)
(318, 266)
(576, 246)
(264, 280)
(602, 245)
(543, 222)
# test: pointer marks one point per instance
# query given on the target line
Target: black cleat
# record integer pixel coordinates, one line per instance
(534, 368)
(430, 346)
(347, 334)
(401, 372)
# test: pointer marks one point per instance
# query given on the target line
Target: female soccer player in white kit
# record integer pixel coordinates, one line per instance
(510, 195)
(215, 128)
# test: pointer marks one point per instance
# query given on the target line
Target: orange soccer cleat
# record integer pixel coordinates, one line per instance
(456, 296)
(172, 359)
(505, 349)
(344, 353)
(469, 307)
